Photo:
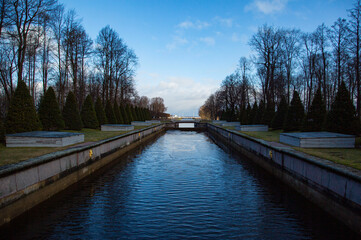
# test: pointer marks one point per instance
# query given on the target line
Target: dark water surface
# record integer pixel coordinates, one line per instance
(182, 186)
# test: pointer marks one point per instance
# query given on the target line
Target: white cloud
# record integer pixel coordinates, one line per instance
(267, 6)
(193, 25)
(228, 22)
(177, 41)
(182, 96)
(208, 41)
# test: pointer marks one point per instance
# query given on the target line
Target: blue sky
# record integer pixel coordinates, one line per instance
(187, 47)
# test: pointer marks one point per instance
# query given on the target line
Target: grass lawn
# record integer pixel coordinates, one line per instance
(14, 155)
(271, 136)
(348, 157)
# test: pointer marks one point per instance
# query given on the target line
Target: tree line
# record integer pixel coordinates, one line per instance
(43, 45)
(288, 65)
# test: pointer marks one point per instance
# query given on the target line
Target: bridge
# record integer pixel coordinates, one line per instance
(187, 124)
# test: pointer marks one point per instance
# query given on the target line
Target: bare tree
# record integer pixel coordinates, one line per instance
(291, 48)
(355, 46)
(267, 44)
(25, 14)
(157, 106)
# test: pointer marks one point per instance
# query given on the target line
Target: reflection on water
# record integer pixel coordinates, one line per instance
(182, 186)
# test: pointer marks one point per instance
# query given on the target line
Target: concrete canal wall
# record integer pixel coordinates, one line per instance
(334, 188)
(28, 183)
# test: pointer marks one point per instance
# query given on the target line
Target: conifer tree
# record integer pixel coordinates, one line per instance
(124, 114)
(295, 114)
(148, 115)
(71, 113)
(109, 112)
(102, 118)
(269, 113)
(117, 113)
(129, 113)
(22, 115)
(342, 116)
(252, 115)
(88, 114)
(137, 112)
(259, 115)
(142, 113)
(49, 112)
(246, 115)
(279, 118)
(315, 117)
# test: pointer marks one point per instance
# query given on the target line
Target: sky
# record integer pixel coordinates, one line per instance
(187, 47)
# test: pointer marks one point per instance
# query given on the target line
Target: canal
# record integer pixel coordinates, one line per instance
(180, 186)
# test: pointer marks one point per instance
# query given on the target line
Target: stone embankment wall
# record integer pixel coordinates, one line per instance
(335, 188)
(28, 183)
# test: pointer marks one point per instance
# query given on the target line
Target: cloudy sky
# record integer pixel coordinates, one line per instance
(187, 47)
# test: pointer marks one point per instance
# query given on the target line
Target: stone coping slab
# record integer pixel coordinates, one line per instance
(153, 121)
(43, 139)
(218, 121)
(43, 134)
(116, 127)
(252, 128)
(318, 140)
(229, 124)
(318, 135)
(140, 123)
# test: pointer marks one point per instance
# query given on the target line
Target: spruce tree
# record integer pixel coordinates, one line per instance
(148, 115)
(71, 113)
(137, 111)
(295, 114)
(342, 116)
(117, 113)
(109, 112)
(279, 118)
(102, 118)
(22, 115)
(246, 115)
(124, 114)
(49, 112)
(269, 113)
(129, 113)
(88, 114)
(259, 115)
(252, 115)
(315, 117)
(142, 113)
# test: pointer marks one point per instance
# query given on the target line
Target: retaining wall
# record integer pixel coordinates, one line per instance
(334, 188)
(28, 183)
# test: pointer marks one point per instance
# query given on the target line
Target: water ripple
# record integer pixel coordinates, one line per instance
(182, 186)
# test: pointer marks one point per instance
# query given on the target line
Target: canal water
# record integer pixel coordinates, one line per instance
(181, 186)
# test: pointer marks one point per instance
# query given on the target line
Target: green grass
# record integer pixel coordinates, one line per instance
(15, 155)
(271, 136)
(347, 157)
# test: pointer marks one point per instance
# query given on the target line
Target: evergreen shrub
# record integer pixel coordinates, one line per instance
(279, 118)
(102, 118)
(22, 116)
(71, 113)
(88, 114)
(49, 112)
(315, 118)
(295, 114)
